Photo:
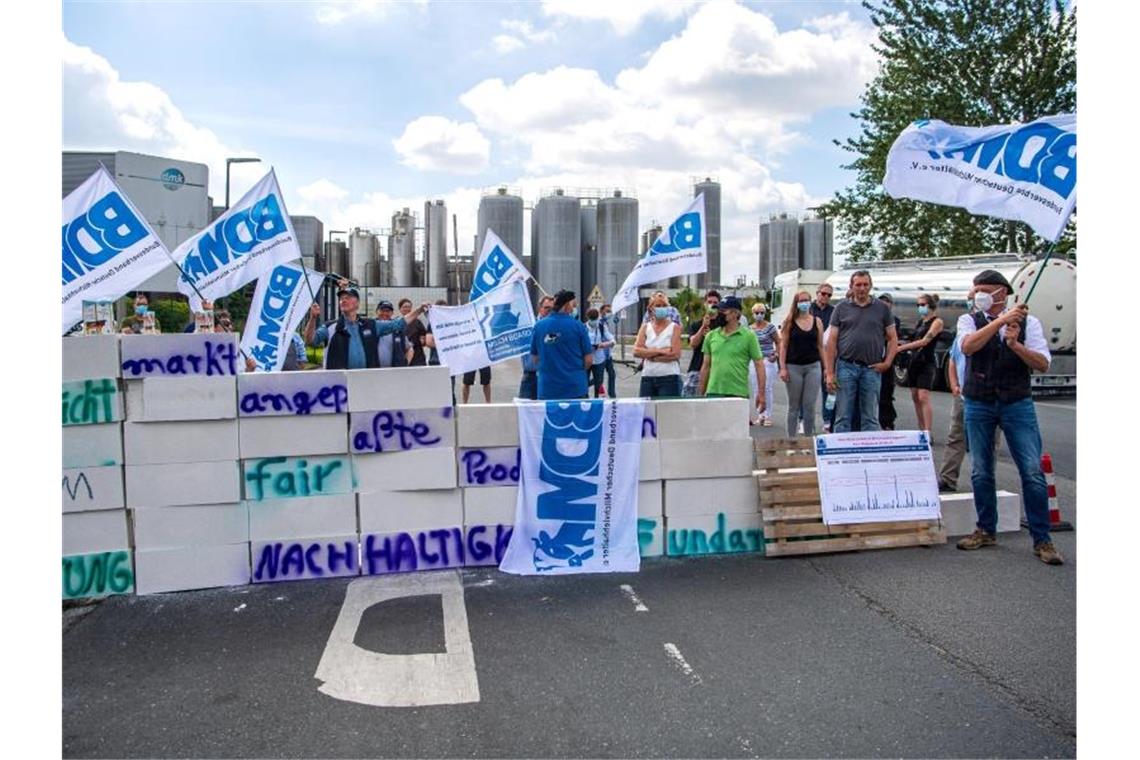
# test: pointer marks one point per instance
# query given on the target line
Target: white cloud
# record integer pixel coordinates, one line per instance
(435, 143)
(623, 15)
(333, 13)
(505, 43)
(522, 33)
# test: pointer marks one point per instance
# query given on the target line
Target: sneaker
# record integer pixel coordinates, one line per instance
(977, 540)
(947, 488)
(1048, 553)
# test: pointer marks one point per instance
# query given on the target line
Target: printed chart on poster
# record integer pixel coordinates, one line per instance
(880, 476)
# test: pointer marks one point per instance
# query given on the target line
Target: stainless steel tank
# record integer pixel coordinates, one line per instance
(362, 256)
(435, 244)
(765, 274)
(559, 228)
(589, 268)
(617, 249)
(503, 213)
(815, 243)
(779, 246)
(402, 250)
(711, 189)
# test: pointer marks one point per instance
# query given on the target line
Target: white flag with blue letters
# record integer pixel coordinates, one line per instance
(681, 249)
(497, 266)
(244, 243)
(108, 247)
(281, 300)
(1026, 172)
(496, 326)
(577, 497)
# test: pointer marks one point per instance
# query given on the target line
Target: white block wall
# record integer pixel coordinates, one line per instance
(93, 445)
(713, 534)
(196, 525)
(714, 419)
(165, 399)
(960, 516)
(312, 434)
(490, 506)
(179, 442)
(484, 425)
(191, 567)
(704, 496)
(416, 470)
(91, 488)
(98, 531)
(711, 459)
(162, 485)
(305, 517)
(88, 356)
(398, 388)
(650, 498)
(393, 511)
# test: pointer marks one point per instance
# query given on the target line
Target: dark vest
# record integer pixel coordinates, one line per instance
(995, 372)
(336, 353)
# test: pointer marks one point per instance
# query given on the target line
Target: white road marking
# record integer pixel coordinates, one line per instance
(1067, 407)
(638, 605)
(239, 608)
(353, 674)
(679, 660)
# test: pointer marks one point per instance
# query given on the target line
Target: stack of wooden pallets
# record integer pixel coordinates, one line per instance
(791, 513)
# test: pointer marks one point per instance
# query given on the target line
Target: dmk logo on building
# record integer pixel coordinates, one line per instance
(235, 235)
(684, 233)
(571, 448)
(1037, 153)
(93, 238)
(491, 272)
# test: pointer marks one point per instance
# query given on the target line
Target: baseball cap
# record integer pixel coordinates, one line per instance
(349, 291)
(385, 305)
(993, 277)
(730, 302)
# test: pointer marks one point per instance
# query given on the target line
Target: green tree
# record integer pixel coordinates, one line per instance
(690, 303)
(967, 62)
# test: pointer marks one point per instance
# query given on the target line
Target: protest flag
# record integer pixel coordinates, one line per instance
(681, 249)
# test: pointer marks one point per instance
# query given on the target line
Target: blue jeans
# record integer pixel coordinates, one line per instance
(611, 377)
(857, 385)
(665, 386)
(1018, 420)
(528, 386)
(594, 377)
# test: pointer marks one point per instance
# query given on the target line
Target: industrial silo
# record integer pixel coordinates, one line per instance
(815, 244)
(402, 250)
(589, 268)
(435, 244)
(617, 249)
(711, 189)
(362, 258)
(765, 274)
(559, 229)
(503, 213)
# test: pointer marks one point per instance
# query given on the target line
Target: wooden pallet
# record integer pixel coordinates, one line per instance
(792, 516)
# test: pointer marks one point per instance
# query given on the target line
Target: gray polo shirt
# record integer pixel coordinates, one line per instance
(862, 330)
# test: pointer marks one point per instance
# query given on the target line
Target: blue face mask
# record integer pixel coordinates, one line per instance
(804, 306)
(923, 311)
(140, 310)
(661, 312)
(592, 322)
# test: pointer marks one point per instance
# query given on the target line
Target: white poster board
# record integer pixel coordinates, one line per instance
(495, 326)
(879, 476)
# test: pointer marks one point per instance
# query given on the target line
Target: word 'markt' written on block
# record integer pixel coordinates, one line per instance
(86, 356)
(175, 442)
(90, 488)
(714, 459)
(98, 574)
(305, 558)
(490, 467)
(415, 470)
(651, 536)
(394, 430)
(302, 517)
(485, 425)
(706, 419)
(167, 399)
(483, 506)
(93, 445)
(181, 354)
(389, 511)
(92, 401)
(650, 499)
(721, 533)
(398, 388)
(704, 496)
(292, 393)
(163, 485)
(191, 567)
(960, 516)
(90, 532)
(290, 477)
(197, 525)
(486, 544)
(293, 436)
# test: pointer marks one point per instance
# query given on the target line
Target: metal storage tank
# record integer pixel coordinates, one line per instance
(310, 234)
(503, 213)
(765, 275)
(559, 230)
(617, 249)
(780, 246)
(336, 254)
(435, 244)
(362, 257)
(711, 189)
(815, 244)
(402, 250)
(589, 268)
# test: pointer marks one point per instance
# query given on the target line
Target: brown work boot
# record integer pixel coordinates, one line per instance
(1048, 553)
(977, 540)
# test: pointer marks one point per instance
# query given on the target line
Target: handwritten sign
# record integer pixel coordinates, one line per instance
(434, 549)
(92, 488)
(292, 393)
(92, 402)
(290, 477)
(304, 558)
(181, 354)
(98, 574)
(491, 466)
(401, 430)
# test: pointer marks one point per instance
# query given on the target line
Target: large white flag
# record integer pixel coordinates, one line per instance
(244, 243)
(496, 326)
(681, 249)
(279, 303)
(108, 247)
(1026, 172)
(577, 498)
(497, 266)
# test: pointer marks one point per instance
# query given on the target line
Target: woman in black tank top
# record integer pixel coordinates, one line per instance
(922, 369)
(801, 348)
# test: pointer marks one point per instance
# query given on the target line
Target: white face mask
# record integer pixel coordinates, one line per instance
(983, 301)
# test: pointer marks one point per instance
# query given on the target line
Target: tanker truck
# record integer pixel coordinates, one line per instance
(1054, 302)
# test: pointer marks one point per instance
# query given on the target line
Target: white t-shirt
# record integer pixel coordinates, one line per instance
(663, 341)
(1033, 335)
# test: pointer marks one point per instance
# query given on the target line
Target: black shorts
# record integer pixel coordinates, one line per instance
(484, 376)
(921, 375)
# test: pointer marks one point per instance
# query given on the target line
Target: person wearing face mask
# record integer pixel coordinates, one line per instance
(602, 341)
(528, 385)
(768, 336)
(560, 348)
(1003, 344)
(801, 347)
(728, 351)
(133, 324)
(352, 341)
(659, 345)
(923, 368)
(698, 329)
(605, 317)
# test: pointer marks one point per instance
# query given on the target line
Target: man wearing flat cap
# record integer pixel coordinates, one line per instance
(560, 347)
(1002, 344)
(393, 347)
(352, 342)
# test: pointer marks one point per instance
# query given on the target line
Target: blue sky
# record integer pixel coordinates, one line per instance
(367, 107)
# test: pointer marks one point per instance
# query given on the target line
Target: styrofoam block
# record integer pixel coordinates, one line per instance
(87, 356)
(649, 420)
(697, 459)
(93, 445)
(195, 525)
(392, 511)
(649, 499)
(398, 388)
(484, 425)
(720, 533)
(292, 393)
(490, 506)
(417, 470)
(104, 530)
(493, 467)
(98, 574)
(133, 399)
(386, 431)
(651, 536)
(281, 477)
(305, 558)
(307, 517)
(179, 354)
(175, 442)
(292, 436)
(93, 401)
(163, 485)
(960, 516)
(702, 419)
(649, 464)
(191, 567)
(93, 488)
(187, 398)
(703, 496)
(486, 544)
(408, 551)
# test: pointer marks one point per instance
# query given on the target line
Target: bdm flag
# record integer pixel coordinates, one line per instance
(496, 326)
(497, 266)
(108, 247)
(680, 249)
(577, 499)
(281, 300)
(1026, 172)
(241, 245)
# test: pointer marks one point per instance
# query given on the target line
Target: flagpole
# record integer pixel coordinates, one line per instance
(197, 292)
(539, 285)
(1040, 270)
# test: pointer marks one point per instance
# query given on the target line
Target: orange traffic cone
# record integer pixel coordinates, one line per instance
(1055, 521)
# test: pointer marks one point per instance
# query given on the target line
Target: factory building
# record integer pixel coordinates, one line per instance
(786, 243)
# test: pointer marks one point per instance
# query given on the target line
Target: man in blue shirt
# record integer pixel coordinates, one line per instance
(352, 342)
(528, 386)
(561, 351)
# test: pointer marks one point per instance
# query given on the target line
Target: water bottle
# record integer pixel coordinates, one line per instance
(829, 404)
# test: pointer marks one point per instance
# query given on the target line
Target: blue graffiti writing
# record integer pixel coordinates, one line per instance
(219, 359)
(93, 238)
(331, 397)
(406, 552)
(648, 427)
(686, 542)
(285, 477)
(89, 402)
(286, 561)
(479, 469)
(480, 552)
(397, 431)
(97, 574)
